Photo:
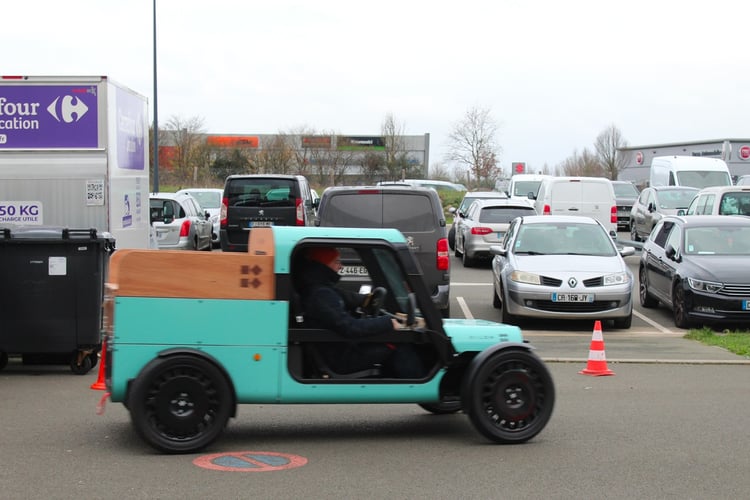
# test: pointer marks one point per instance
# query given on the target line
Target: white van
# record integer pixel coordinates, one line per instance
(691, 171)
(588, 196)
(521, 185)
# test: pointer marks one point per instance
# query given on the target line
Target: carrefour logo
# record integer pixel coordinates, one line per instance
(67, 109)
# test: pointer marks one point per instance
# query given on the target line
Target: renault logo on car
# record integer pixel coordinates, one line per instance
(572, 282)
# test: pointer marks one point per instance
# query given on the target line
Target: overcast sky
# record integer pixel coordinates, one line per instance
(553, 74)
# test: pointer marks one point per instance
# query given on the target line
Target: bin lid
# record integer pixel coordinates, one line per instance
(51, 233)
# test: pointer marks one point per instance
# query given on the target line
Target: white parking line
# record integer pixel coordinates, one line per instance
(464, 308)
(453, 283)
(653, 323)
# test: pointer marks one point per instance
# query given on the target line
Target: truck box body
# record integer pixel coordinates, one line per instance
(73, 153)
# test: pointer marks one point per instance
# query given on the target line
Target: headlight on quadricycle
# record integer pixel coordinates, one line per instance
(524, 277)
(704, 286)
(616, 279)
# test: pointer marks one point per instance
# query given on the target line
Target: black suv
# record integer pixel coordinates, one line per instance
(262, 200)
(416, 212)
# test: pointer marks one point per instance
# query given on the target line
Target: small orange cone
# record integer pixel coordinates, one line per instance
(597, 364)
(99, 385)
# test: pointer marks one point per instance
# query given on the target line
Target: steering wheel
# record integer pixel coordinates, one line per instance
(374, 301)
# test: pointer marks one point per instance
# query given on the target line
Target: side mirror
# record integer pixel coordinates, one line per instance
(207, 215)
(671, 253)
(498, 250)
(452, 210)
(651, 207)
(627, 251)
(681, 211)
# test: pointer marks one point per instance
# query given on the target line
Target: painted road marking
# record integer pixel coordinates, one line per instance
(464, 308)
(250, 461)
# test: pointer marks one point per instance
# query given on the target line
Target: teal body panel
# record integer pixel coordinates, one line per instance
(478, 334)
(246, 338)
(286, 238)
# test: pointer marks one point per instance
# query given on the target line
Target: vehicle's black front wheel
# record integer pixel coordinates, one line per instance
(82, 366)
(510, 397)
(647, 300)
(452, 238)
(633, 232)
(679, 308)
(180, 404)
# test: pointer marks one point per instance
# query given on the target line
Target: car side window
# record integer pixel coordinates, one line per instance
(673, 238)
(509, 234)
(661, 233)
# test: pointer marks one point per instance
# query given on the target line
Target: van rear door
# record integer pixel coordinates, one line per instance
(587, 197)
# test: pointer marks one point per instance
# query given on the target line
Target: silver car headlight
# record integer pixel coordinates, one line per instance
(524, 277)
(616, 279)
(704, 286)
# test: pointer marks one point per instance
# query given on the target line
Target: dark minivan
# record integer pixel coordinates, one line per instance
(262, 200)
(416, 212)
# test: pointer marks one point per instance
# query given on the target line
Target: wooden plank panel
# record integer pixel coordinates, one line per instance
(184, 274)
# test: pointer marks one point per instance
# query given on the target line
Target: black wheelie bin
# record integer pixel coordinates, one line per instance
(51, 292)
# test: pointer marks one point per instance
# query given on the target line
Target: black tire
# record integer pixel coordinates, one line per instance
(633, 232)
(496, 302)
(624, 323)
(452, 238)
(442, 408)
(466, 260)
(647, 300)
(3, 359)
(446, 313)
(84, 367)
(505, 316)
(180, 404)
(510, 396)
(679, 310)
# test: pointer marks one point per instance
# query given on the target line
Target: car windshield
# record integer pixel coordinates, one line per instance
(717, 241)
(703, 178)
(207, 199)
(503, 215)
(523, 188)
(625, 190)
(563, 238)
(676, 198)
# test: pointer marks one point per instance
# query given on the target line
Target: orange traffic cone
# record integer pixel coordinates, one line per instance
(99, 385)
(597, 364)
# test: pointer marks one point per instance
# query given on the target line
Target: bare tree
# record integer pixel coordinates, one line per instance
(472, 145)
(395, 152)
(277, 156)
(607, 144)
(585, 164)
(186, 137)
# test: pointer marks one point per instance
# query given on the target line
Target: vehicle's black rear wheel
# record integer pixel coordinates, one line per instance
(647, 300)
(510, 397)
(452, 238)
(496, 303)
(180, 404)
(679, 308)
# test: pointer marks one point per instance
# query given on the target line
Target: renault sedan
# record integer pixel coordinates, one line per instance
(561, 267)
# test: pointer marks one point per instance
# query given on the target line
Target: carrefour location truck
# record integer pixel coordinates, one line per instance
(73, 153)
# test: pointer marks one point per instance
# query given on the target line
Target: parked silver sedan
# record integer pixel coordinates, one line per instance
(564, 267)
(653, 204)
(484, 224)
(210, 200)
(179, 222)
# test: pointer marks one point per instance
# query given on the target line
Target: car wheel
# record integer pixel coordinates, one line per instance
(647, 300)
(180, 404)
(442, 408)
(624, 323)
(452, 238)
(633, 232)
(496, 303)
(509, 397)
(505, 316)
(466, 260)
(679, 309)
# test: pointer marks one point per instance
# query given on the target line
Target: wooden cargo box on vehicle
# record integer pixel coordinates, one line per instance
(182, 274)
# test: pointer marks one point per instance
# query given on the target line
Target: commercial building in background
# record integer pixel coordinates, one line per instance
(73, 154)
(734, 152)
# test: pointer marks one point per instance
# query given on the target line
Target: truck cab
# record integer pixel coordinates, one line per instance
(231, 331)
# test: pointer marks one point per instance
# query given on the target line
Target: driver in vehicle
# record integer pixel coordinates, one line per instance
(327, 306)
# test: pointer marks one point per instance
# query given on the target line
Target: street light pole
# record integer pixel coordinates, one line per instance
(156, 117)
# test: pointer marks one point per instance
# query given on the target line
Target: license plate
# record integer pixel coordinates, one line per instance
(260, 223)
(353, 271)
(745, 305)
(572, 297)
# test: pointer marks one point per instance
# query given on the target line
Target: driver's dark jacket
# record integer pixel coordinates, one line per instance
(327, 306)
